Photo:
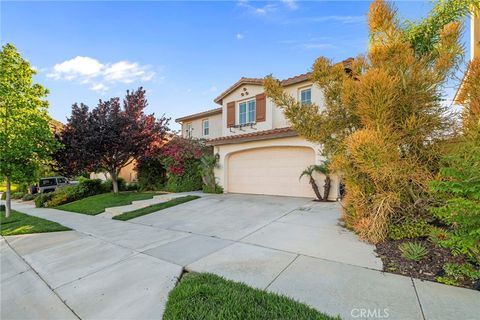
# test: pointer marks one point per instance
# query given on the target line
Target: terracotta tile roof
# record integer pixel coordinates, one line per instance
(286, 82)
(241, 82)
(200, 115)
(296, 79)
(254, 136)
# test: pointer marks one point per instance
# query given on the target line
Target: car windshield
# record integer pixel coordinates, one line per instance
(47, 182)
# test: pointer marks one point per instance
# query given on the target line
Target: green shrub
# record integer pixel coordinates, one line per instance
(42, 198)
(151, 173)
(60, 196)
(459, 272)
(2, 207)
(413, 251)
(4, 196)
(107, 185)
(410, 229)
(459, 188)
(184, 183)
(17, 195)
(209, 189)
(189, 181)
(131, 187)
(85, 188)
(29, 197)
(447, 281)
(462, 271)
(89, 187)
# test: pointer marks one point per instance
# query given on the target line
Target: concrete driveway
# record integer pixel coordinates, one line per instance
(294, 225)
(109, 269)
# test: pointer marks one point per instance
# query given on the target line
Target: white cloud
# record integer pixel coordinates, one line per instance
(127, 72)
(264, 10)
(291, 4)
(99, 87)
(75, 68)
(240, 36)
(90, 71)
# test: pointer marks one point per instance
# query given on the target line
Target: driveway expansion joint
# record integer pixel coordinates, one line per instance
(418, 298)
(42, 279)
(278, 275)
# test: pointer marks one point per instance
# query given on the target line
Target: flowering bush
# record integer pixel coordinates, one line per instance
(181, 158)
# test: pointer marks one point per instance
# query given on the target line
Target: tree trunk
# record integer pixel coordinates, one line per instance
(326, 188)
(114, 177)
(8, 201)
(315, 189)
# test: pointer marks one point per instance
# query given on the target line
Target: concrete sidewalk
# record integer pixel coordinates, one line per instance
(116, 269)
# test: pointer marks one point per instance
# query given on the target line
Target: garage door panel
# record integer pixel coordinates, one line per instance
(272, 171)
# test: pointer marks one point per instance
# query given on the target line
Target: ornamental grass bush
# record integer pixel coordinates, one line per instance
(383, 121)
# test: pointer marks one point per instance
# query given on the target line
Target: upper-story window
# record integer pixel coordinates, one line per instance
(205, 127)
(188, 131)
(306, 96)
(247, 111)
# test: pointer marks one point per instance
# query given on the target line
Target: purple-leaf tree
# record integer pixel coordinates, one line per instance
(110, 136)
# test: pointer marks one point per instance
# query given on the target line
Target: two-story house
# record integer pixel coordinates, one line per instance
(259, 152)
(474, 44)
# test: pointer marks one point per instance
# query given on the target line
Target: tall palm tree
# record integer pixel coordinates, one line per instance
(320, 168)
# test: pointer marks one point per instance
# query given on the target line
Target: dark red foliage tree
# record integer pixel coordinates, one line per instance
(73, 137)
(111, 136)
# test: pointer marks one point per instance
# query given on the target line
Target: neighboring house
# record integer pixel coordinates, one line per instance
(259, 152)
(203, 125)
(474, 42)
(128, 173)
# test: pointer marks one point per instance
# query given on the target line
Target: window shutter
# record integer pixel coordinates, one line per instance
(261, 107)
(230, 114)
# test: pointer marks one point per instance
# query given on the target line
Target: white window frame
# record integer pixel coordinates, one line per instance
(188, 130)
(207, 127)
(250, 113)
(300, 96)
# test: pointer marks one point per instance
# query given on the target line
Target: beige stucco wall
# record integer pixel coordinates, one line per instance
(128, 173)
(225, 151)
(215, 123)
(294, 90)
(236, 96)
(275, 117)
(475, 35)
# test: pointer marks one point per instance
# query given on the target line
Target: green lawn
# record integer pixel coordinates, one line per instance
(96, 204)
(20, 223)
(206, 296)
(153, 208)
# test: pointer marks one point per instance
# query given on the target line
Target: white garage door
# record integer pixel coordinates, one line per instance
(273, 171)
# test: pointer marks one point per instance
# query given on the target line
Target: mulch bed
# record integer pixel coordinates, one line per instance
(429, 268)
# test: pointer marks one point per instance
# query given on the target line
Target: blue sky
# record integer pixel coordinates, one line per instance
(183, 53)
